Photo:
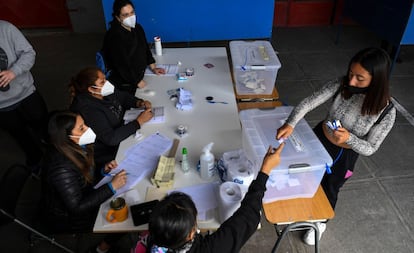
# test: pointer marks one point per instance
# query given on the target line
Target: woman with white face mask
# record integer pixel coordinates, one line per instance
(126, 49)
(103, 107)
(70, 203)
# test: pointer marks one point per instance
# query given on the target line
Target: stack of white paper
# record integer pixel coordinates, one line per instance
(140, 160)
(184, 100)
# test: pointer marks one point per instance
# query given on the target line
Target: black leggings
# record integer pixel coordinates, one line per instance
(341, 170)
(27, 124)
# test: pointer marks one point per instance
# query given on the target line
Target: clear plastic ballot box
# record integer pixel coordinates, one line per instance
(303, 159)
(255, 66)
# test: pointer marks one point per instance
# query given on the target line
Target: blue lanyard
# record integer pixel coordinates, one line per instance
(328, 168)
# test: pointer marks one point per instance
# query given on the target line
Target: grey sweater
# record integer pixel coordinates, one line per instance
(21, 58)
(365, 136)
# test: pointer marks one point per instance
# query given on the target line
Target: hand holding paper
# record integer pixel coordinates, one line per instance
(139, 161)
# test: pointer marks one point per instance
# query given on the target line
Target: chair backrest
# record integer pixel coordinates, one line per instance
(100, 63)
(12, 181)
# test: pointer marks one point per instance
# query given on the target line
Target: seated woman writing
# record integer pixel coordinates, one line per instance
(70, 203)
(103, 107)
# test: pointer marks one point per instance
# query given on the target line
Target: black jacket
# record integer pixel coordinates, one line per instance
(127, 54)
(236, 230)
(69, 202)
(105, 117)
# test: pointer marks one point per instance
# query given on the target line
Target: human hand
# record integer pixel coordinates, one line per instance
(144, 104)
(340, 136)
(271, 159)
(144, 116)
(141, 84)
(119, 180)
(284, 131)
(158, 71)
(6, 76)
(110, 166)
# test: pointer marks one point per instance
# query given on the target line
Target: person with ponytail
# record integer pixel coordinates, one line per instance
(103, 108)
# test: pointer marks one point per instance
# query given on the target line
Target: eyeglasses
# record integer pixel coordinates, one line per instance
(125, 15)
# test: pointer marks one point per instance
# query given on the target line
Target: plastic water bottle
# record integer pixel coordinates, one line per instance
(207, 162)
(184, 161)
(158, 47)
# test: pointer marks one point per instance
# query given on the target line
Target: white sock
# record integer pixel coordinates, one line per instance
(100, 250)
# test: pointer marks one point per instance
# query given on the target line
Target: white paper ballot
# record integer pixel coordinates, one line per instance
(170, 69)
(132, 114)
(140, 160)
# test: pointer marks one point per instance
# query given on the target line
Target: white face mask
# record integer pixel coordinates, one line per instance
(87, 137)
(107, 89)
(130, 21)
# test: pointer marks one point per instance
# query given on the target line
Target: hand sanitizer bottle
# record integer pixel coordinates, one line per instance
(184, 161)
(207, 162)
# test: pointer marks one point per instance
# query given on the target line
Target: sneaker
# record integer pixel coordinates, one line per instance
(309, 237)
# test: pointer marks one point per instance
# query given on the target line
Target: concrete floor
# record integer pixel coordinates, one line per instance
(375, 208)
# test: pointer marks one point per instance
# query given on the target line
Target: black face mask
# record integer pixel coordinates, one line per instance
(356, 90)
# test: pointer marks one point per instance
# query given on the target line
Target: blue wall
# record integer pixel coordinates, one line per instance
(198, 20)
(408, 37)
(387, 18)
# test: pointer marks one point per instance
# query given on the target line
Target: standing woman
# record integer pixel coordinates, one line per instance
(126, 50)
(361, 102)
(70, 202)
(103, 107)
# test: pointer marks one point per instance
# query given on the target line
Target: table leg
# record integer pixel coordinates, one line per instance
(293, 227)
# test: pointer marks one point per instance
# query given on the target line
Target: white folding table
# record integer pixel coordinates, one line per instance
(205, 122)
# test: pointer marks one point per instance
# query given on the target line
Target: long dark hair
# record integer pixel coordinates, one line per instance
(172, 221)
(377, 62)
(60, 126)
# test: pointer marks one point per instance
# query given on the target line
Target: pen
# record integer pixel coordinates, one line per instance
(112, 174)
